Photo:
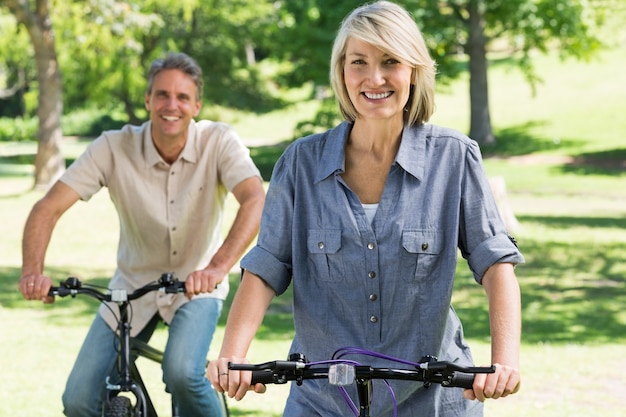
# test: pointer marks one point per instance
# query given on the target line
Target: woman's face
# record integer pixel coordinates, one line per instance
(378, 84)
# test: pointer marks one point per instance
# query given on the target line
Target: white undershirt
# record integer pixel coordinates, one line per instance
(370, 211)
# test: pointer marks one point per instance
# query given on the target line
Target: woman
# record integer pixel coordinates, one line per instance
(365, 221)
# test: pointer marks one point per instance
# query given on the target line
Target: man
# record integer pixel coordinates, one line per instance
(168, 180)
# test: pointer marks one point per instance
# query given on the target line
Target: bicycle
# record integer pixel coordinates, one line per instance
(343, 372)
(130, 348)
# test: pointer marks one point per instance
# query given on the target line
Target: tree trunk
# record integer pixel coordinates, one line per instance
(480, 120)
(49, 162)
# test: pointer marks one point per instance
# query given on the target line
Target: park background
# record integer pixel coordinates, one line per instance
(561, 150)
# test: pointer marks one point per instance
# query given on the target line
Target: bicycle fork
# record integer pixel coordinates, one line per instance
(125, 368)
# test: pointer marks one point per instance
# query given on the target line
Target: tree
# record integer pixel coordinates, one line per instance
(106, 45)
(109, 44)
(453, 29)
(471, 26)
(49, 163)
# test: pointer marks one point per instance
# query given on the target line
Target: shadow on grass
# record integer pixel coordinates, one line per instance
(570, 293)
(64, 311)
(563, 222)
(519, 140)
(607, 162)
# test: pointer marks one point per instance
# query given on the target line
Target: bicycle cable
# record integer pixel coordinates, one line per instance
(345, 351)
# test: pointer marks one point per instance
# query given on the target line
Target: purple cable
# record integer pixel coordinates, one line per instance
(340, 353)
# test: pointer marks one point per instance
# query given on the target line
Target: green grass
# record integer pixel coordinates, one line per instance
(559, 153)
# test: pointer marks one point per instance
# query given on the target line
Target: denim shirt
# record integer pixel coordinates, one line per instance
(384, 286)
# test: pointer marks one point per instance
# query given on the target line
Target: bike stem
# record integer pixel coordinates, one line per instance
(124, 329)
(364, 391)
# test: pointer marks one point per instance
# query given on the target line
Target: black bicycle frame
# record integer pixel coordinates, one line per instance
(130, 380)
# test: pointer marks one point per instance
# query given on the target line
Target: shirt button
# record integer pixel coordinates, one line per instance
(171, 201)
(174, 229)
(372, 274)
(174, 253)
(424, 246)
(172, 173)
(373, 319)
(321, 245)
(373, 297)
(371, 246)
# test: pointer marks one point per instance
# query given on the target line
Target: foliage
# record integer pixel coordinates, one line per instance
(17, 61)
(18, 129)
(105, 46)
(325, 118)
(91, 122)
(304, 36)
(99, 44)
(525, 26)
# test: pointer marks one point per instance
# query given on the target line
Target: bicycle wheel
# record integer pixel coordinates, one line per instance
(223, 404)
(118, 407)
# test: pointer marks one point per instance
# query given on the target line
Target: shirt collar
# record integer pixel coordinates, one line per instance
(410, 154)
(333, 152)
(189, 153)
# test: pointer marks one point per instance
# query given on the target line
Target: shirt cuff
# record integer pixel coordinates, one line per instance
(497, 249)
(262, 263)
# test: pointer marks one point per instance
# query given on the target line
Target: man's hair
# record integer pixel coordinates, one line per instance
(179, 61)
(390, 28)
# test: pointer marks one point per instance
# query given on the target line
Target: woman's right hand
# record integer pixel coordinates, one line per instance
(235, 384)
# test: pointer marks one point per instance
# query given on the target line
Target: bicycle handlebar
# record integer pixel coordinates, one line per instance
(342, 372)
(73, 286)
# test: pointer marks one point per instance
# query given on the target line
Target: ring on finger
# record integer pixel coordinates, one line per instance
(223, 373)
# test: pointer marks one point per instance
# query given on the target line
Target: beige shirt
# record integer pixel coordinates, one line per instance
(170, 215)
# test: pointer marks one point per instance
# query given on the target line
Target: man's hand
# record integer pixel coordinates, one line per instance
(204, 280)
(36, 287)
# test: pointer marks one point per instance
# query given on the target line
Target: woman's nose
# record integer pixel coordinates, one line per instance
(376, 75)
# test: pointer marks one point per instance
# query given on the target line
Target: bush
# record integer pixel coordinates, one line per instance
(90, 123)
(84, 123)
(18, 129)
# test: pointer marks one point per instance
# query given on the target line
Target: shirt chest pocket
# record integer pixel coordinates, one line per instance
(325, 261)
(420, 252)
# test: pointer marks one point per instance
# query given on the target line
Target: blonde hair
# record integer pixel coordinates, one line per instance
(390, 28)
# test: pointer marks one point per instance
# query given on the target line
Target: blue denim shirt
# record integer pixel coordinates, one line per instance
(384, 286)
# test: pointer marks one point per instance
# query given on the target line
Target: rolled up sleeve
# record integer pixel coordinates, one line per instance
(497, 249)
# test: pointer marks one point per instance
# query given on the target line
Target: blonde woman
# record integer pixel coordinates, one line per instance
(365, 222)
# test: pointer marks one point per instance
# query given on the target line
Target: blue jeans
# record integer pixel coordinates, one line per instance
(184, 363)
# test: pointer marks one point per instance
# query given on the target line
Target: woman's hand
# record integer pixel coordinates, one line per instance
(235, 384)
(505, 381)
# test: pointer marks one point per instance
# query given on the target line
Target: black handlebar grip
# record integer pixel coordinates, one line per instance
(461, 380)
(263, 377)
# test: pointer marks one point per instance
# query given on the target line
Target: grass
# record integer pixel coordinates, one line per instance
(570, 203)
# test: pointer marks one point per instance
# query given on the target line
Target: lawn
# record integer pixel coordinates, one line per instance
(562, 154)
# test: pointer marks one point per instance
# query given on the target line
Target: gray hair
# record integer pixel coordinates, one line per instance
(179, 61)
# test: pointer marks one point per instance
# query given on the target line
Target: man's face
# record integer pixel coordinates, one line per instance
(172, 104)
